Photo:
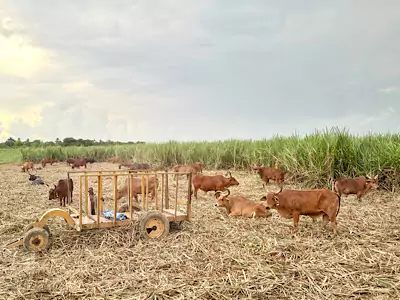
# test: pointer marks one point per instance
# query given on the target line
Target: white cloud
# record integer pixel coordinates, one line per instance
(389, 90)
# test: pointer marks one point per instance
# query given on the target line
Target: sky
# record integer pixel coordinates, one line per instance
(197, 70)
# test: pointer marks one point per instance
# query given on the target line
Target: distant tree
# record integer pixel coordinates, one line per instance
(69, 141)
(18, 143)
(10, 142)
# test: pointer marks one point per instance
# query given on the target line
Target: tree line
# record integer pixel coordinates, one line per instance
(68, 141)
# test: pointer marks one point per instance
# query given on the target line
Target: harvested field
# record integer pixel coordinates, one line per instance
(212, 257)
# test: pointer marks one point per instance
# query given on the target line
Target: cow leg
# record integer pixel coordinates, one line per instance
(334, 224)
(195, 192)
(325, 220)
(296, 217)
(235, 213)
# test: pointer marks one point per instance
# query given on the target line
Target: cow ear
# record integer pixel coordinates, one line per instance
(276, 200)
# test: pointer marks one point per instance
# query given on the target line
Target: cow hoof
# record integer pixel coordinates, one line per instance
(153, 225)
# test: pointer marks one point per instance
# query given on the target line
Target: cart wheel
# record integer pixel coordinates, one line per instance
(37, 239)
(153, 225)
(30, 226)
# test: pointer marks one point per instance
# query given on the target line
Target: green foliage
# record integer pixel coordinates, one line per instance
(316, 158)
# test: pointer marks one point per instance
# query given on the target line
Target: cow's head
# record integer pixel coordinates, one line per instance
(222, 200)
(52, 193)
(272, 200)
(231, 180)
(372, 183)
(256, 169)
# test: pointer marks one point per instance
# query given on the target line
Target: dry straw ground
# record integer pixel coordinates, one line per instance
(212, 257)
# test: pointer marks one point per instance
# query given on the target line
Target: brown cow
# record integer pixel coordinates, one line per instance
(79, 162)
(60, 191)
(313, 203)
(136, 187)
(183, 168)
(48, 160)
(240, 206)
(198, 167)
(214, 183)
(354, 186)
(267, 173)
(139, 166)
(27, 165)
(125, 163)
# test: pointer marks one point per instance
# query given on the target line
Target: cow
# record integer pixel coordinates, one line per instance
(125, 163)
(183, 168)
(313, 203)
(60, 191)
(240, 206)
(198, 167)
(79, 162)
(139, 166)
(267, 173)
(354, 186)
(48, 160)
(28, 165)
(136, 187)
(114, 159)
(214, 183)
(70, 161)
(90, 160)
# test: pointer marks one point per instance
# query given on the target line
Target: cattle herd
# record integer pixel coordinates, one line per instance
(289, 204)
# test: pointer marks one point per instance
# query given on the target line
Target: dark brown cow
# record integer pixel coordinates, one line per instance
(136, 184)
(139, 166)
(214, 183)
(48, 160)
(79, 162)
(70, 161)
(60, 191)
(267, 173)
(28, 165)
(183, 168)
(240, 206)
(354, 186)
(313, 203)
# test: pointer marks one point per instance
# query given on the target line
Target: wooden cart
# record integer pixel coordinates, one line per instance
(152, 223)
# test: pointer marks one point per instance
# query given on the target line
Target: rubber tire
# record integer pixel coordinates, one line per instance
(153, 215)
(34, 232)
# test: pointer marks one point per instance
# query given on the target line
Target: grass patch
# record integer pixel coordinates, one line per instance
(10, 156)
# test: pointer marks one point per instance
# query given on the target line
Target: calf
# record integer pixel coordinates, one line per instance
(354, 186)
(136, 187)
(313, 203)
(27, 165)
(267, 173)
(214, 183)
(60, 191)
(240, 206)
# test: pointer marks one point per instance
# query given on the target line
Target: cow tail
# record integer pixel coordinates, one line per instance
(339, 204)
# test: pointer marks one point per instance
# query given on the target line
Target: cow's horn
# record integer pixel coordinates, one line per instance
(229, 192)
(264, 187)
(279, 190)
(229, 173)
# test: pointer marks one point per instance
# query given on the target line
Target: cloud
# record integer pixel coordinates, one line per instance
(389, 90)
(196, 70)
